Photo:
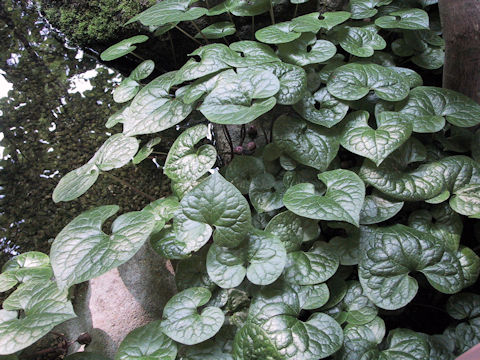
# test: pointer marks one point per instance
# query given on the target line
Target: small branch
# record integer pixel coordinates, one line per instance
(229, 139)
(243, 133)
(226, 41)
(173, 49)
(296, 10)
(127, 184)
(272, 15)
(137, 56)
(200, 31)
(253, 27)
(187, 34)
(208, 5)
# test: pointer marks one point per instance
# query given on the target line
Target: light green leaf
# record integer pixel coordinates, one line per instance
(362, 9)
(378, 208)
(153, 109)
(409, 19)
(376, 144)
(311, 297)
(342, 201)
(313, 267)
(168, 11)
(248, 7)
(306, 50)
(354, 81)
(252, 53)
(428, 107)
(311, 23)
(431, 59)
(75, 183)
(427, 181)
(405, 344)
(186, 163)
(115, 152)
(360, 341)
(321, 108)
(439, 198)
(266, 193)
(122, 48)
(241, 171)
(147, 343)
(306, 143)
(143, 70)
(82, 251)
(347, 248)
(261, 259)
(217, 30)
(218, 203)
(278, 33)
(464, 306)
(43, 306)
(127, 89)
(182, 322)
(466, 200)
(29, 266)
(192, 272)
(361, 42)
(292, 230)
(146, 150)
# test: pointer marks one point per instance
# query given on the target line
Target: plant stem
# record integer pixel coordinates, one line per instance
(253, 27)
(226, 41)
(127, 184)
(173, 50)
(137, 56)
(295, 12)
(208, 5)
(188, 35)
(229, 138)
(200, 31)
(272, 15)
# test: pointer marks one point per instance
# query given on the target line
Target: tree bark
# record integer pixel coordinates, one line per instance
(461, 31)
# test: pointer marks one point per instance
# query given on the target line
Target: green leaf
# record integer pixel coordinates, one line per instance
(432, 58)
(168, 11)
(127, 89)
(292, 230)
(218, 30)
(241, 171)
(143, 70)
(82, 251)
(409, 19)
(476, 146)
(311, 297)
(218, 203)
(354, 81)
(342, 201)
(362, 340)
(115, 152)
(313, 267)
(393, 253)
(321, 108)
(75, 183)
(146, 150)
(378, 208)
(233, 99)
(32, 265)
(43, 307)
(306, 50)
(466, 200)
(266, 193)
(306, 143)
(186, 163)
(153, 109)
(361, 42)
(182, 322)
(147, 343)
(251, 53)
(122, 48)
(248, 7)
(355, 308)
(192, 272)
(311, 23)
(347, 248)
(278, 33)
(405, 344)
(376, 144)
(464, 306)
(427, 181)
(362, 9)
(261, 259)
(218, 348)
(428, 107)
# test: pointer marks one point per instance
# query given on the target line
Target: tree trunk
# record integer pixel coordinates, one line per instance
(461, 29)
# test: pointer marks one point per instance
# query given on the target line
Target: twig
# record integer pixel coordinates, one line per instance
(243, 133)
(226, 41)
(206, 2)
(253, 27)
(272, 15)
(264, 133)
(137, 56)
(229, 139)
(295, 12)
(188, 35)
(200, 31)
(173, 49)
(127, 184)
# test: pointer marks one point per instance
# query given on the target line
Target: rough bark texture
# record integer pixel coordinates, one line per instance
(461, 31)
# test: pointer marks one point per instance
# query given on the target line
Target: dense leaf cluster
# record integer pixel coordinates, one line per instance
(299, 250)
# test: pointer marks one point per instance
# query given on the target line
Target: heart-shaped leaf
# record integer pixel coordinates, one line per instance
(153, 109)
(306, 143)
(409, 19)
(232, 101)
(292, 230)
(313, 267)
(360, 340)
(312, 23)
(428, 107)
(147, 342)
(307, 49)
(218, 30)
(230, 215)
(32, 265)
(464, 306)
(168, 11)
(116, 152)
(192, 272)
(146, 150)
(182, 322)
(346, 247)
(354, 81)
(321, 108)
(278, 33)
(427, 181)
(75, 183)
(266, 193)
(241, 171)
(83, 240)
(311, 297)
(378, 208)
(466, 201)
(248, 7)
(261, 259)
(143, 70)
(342, 201)
(184, 162)
(362, 9)
(127, 89)
(361, 42)
(122, 48)
(376, 144)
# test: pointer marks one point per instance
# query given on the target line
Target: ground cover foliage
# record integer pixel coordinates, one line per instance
(362, 205)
